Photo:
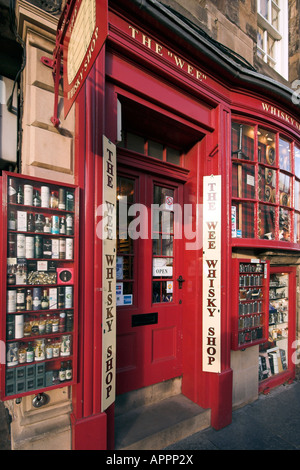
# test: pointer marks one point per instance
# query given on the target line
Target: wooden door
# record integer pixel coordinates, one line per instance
(149, 264)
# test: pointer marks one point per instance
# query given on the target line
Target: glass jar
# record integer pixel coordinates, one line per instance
(12, 354)
(42, 325)
(39, 349)
(65, 345)
(55, 324)
(49, 349)
(56, 347)
(22, 353)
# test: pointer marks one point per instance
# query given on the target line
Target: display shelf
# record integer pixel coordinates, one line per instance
(249, 321)
(275, 354)
(39, 305)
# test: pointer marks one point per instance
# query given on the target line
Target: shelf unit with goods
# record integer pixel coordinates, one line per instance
(39, 288)
(250, 302)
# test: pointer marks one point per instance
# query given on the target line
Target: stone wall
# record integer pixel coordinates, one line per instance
(234, 24)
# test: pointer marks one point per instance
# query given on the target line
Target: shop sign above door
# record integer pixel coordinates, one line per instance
(84, 37)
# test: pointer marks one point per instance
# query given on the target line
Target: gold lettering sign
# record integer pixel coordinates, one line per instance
(211, 331)
(109, 275)
(164, 52)
(280, 114)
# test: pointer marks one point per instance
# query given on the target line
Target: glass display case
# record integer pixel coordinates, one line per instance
(249, 302)
(275, 355)
(39, 285)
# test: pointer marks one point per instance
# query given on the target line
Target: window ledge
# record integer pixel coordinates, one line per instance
(266, 25)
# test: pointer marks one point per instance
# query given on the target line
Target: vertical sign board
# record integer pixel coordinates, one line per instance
(109, 274)
(86, 33)
(211, 334)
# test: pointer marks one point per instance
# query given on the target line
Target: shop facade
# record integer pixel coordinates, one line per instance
(187, 164)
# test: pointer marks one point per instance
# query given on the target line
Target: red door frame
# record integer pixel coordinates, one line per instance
(163, 369)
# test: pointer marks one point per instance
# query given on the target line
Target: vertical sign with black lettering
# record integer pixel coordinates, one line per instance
(109, 274)
(211, 334)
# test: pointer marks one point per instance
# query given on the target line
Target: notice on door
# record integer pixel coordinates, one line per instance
(109, 274)
(211, 334)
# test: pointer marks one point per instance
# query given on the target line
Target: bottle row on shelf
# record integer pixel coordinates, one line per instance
(39, 298)
(250, 321)
(22, 221)
(43, 196)
(36, 246)
(251, 280)
(19, 326)
(246, 308)
(40, 349)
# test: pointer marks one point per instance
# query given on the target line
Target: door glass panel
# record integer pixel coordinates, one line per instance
(162, 245)
(125, 247)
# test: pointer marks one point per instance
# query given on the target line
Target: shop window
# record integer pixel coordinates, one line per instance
(265, 185)
(272, 30)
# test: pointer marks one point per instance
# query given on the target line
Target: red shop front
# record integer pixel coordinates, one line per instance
(188, 215)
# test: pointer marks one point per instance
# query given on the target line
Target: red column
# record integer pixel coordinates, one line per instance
(89, 424)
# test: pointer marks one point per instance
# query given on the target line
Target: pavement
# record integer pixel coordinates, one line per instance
(272, 422)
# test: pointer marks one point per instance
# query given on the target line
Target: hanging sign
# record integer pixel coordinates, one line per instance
(85, 35)
(211, 334)
(109, 271)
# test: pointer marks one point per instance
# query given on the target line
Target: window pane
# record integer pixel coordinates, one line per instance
(242, 141)
(271, 47)
(266, 184)
(264, 6)
(266, 222)
(284, 225)
(284, 154)
(155, 149)
(297, 195)
(243, 181)
(266, 147)
(260, 39)
(173, 156)
(135, 143)
(297, 227)
(275, 17)
(284, 189)
(297, 162)
(244, 219)
(125, 247)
